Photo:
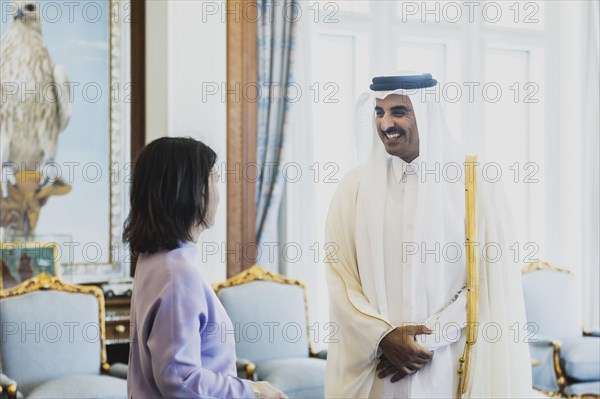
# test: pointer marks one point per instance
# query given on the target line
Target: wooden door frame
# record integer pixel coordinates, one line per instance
(242, 73)
(138, 77)
(138, 88)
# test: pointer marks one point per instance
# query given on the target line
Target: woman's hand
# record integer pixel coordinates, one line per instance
(268, 391)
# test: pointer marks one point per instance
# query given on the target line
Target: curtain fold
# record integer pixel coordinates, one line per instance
(275, 40)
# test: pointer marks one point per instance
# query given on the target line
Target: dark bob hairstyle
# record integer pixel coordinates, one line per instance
(169, 194)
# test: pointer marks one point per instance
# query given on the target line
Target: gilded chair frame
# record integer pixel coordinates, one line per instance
(11, 390)
(257, 273)
(539, 265)
(45, 282)
(561, 377)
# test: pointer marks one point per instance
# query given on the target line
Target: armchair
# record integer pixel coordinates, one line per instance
(270, 319)
(565, 360)
(53, 341)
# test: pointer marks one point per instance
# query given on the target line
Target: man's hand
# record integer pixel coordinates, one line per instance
(402, 356)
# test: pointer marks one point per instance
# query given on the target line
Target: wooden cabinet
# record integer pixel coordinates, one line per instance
(117, 329)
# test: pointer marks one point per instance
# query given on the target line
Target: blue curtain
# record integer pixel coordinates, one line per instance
(275, 52)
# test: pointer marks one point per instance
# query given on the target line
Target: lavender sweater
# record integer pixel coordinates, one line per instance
(178, 345)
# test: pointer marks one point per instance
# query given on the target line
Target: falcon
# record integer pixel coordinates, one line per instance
(35, 94)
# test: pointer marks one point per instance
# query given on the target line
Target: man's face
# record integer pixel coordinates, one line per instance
(397, 126)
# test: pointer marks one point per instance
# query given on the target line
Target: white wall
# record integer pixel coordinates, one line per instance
(156, 69)
(185, 51)
(569, 252)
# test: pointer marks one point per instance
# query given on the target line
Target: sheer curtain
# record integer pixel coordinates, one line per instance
(275, 39)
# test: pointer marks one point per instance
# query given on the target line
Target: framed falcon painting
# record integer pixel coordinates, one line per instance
(65, 130)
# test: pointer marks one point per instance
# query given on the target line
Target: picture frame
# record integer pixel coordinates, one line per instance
(23, 260)
(91, 40)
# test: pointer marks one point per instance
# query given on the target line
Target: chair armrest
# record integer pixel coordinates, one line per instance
(9, 386)
(118, 370)
(319, 355)
(591, 333)
(245, 369)
(542, 340)
(553, 345)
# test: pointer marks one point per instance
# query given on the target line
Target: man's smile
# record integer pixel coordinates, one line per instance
(394, 135)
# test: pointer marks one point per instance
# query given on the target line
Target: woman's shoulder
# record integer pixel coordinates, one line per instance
(182, 265)
(185, 281)
(177, 267)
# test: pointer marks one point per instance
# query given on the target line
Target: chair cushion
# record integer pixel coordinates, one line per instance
(297, 378)
(581, 358)
(82, 387)
(583, 388)
(269, 320)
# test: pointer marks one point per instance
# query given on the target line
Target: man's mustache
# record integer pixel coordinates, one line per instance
(392, 130)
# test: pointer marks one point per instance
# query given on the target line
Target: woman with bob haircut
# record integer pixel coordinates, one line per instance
(174, 351)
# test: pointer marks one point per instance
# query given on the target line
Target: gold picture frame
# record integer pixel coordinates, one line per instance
(23, 260)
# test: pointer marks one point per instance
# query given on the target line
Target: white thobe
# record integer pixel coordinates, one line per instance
(400, 207)
(397, 229)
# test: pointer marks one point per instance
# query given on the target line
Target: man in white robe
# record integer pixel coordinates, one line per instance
(397, 274)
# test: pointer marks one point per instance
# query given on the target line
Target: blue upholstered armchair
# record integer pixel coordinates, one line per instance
(269, 315)
(565, 360)
(53, 342)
